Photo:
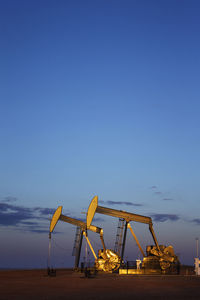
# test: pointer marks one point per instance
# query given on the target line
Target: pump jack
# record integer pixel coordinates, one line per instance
(158, 254)
(107, 259)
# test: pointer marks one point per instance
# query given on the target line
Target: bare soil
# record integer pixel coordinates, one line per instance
(35, 284)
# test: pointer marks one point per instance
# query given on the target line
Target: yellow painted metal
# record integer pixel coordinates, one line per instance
(135, 237)
(91, 210)
(108, 261)
(154, 237)
(55, 218)
(85, 235)
(102, 240)
(95, 229)
(79, 223)
(130, 272)
(130, 217)
(124, 215)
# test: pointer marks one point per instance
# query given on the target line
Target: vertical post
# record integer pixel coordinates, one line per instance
(124, 241)
(77, 257)
(197, 242)
(86, 271)
(49, 252)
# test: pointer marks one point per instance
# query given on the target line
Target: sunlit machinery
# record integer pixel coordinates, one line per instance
(107, 259)
(157, 256)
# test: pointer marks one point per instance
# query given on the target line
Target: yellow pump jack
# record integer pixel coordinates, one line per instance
(108, 260)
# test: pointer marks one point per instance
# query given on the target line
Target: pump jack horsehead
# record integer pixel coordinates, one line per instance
(108, 260)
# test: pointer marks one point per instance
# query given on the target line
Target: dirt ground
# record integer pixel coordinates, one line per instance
(35, 284)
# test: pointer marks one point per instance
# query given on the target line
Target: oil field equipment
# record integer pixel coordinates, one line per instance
(107, 259)
(158, 257)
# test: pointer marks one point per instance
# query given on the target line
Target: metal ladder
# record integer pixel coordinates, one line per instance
(76, 241)
(118, 241)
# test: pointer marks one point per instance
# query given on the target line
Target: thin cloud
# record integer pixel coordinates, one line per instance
(39, 231)
(13, 219)
(9, 199)
(158, 193)
(35, 227)
(29, 223)
(24, 218)
(196, 221)
(165, 217)
(45, 211)
(98, 219)
(109, 202)
(168, 199)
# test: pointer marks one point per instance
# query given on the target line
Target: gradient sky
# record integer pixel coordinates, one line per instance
(98, 98)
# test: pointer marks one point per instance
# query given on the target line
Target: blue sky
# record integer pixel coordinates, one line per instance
(98, 98)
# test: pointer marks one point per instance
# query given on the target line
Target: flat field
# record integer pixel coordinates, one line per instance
(35, 284)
